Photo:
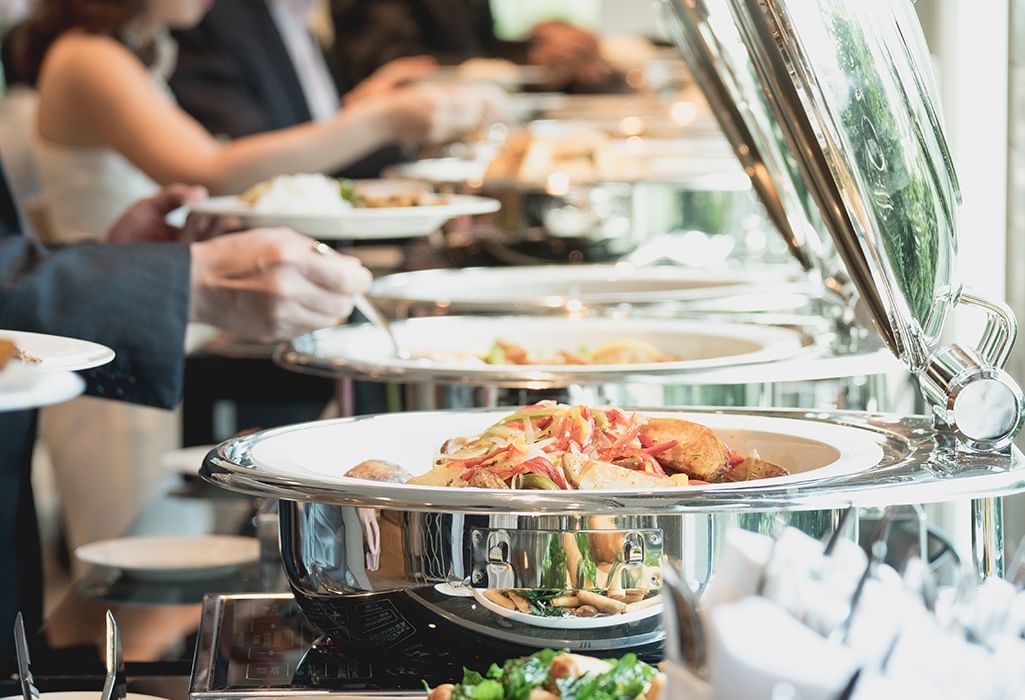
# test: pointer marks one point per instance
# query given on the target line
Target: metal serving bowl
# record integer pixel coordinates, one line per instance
(366, 558)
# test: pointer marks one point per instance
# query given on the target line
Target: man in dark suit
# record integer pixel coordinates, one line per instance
(253, 66)
(137, 298)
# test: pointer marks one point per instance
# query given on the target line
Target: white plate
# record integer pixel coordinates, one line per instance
(24, 387)
(83, 695)
(185, 461)
(554, 287)
(700, 345)
(358, 224)
(322, 452)
(568, 622)
(171, 557)
(59, 353)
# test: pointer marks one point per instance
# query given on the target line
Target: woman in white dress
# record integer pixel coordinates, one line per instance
(108, 132)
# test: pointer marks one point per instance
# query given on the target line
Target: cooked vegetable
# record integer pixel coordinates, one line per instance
(551, 674)
(626, 351)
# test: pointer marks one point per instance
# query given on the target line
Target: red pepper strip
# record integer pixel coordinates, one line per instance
(697, 482)
(477, 461)
(645, 440)
(540, 465)
(661, 447)
(733, 458)
(627, 437)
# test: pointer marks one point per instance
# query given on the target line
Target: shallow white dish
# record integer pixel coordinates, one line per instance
(23, 388)
(443, 348)
(172, 557)
(185, 461)
(374, 223)
(555, 287)
(57, 352)
(568, 622)
(320, 453)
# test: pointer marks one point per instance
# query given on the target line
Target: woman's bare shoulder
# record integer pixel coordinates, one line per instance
(88, 58)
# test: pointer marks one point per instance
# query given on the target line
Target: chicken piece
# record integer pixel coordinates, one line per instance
(752, 468)
(377, 470)
(442, 692)
(542, 694)
(8, 351)
(659, 687)
(699, 453)
(576, 665)
(587, 474)
(441, 475)
(483, 479)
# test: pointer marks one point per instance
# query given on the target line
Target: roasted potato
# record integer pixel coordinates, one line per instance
(752, 468)
(376, 470)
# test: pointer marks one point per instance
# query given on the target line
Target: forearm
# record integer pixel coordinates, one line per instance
(312, 147)
(133, 298)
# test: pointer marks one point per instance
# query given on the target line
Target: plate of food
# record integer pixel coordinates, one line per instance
(24, 386)
(332, 209)
(552, 675)
(550, 450)
(539, 350)
(567, 609)
(53, 352)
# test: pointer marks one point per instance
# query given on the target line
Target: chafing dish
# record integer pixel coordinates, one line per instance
(847, 99)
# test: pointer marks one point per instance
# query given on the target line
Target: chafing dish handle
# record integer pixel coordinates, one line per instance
(970, 392)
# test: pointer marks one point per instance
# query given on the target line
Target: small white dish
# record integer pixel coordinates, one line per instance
(185, 461)
(172, 557)
(56, 352)
(23, 388)
(568, 622)
(364, 224)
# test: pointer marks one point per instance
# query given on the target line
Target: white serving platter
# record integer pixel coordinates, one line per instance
(375, 223)
(322, 452)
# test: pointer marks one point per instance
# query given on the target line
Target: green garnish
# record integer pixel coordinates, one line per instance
(553, 566)
(627, 679)
(347, 189)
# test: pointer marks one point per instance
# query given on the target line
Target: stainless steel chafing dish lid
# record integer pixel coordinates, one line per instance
(847, 87)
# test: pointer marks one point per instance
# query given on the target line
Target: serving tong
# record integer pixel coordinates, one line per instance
(114, 683)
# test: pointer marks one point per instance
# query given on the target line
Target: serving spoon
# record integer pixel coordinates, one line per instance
(373, 314)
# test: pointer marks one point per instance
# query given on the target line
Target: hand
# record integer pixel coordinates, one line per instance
(569, 53)
(270, 284)
(146, 220)
(392, 75)
(441, 113)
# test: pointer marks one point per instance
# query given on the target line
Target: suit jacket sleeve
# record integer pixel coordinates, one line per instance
(132, 298)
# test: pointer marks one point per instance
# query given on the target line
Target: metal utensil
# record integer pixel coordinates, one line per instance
(114, 682)
(834, 538)
(369, 309)
(690, 641)
(376, 317)
(28, 688)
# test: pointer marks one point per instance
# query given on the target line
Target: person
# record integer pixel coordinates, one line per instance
(136, 295)
(252, 67)
(108, 131)
(370, 34)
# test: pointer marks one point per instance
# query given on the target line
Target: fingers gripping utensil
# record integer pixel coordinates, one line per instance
(114, 683)
(370, 310)
(28, 688)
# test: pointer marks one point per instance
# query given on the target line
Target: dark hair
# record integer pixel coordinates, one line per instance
(51, 18)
